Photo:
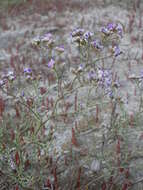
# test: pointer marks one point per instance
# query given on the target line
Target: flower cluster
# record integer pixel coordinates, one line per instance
(77, 32)
(116, 51)
(28, 73)
(81, 36)
(96, 45)
(87, 35)
(112, 28)
(48, 40)
(105, 81)
(45, 40)
(9, 76)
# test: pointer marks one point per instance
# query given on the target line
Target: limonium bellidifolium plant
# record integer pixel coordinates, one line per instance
(53, 135)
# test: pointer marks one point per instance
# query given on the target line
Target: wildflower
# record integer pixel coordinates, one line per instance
(28, 77)
(100, 74)
(27, 70)
(10, 76)
(10, 73)
(80, 40)
(51, 63)
(22, 93)
(105, 81)
(80, 36)
(77, 32)
(110, 94)
(105, 31)
(96, 45)
(50, 43)
(108, 81)
(92, 75)
(87, 35)
(48, 40)
(28, 73)
(119, 29)
(116, 51)
(111, 26)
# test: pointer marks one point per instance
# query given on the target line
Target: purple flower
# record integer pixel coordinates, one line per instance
(110, 94)
(111, 26)
(46, 37)
(105, 31)
(87, 35)
(27, 70)
(119, 29)
(97, 45)
(120, 32)
(100, 74)
(108, 82)
(105, 81)
(117, 51)
(47, 40)
(105, 78)
(22, 93)
(51, 63)
(92, 75)
(28, 77)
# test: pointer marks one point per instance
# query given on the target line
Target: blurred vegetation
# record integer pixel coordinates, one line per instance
(6, 3)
